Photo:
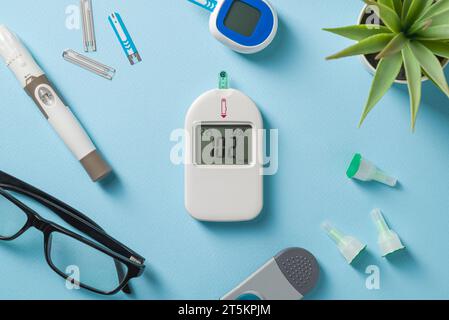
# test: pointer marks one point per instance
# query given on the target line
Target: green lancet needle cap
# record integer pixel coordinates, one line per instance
(223, 82)
(364, 170)
(354, 166)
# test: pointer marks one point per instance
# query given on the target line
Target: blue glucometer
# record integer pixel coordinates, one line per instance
(246, 26)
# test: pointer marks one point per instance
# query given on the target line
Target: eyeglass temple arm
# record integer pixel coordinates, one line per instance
(70, 215)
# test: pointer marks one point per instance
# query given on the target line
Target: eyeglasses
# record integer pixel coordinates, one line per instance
(104, 266)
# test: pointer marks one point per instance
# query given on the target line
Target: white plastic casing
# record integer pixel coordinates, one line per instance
(17, 57)
(389, 242)
(66, 125)
(224, 193)
(32, 79)
(23, 65)
(367, 171)
(350, 248)
(234, 45)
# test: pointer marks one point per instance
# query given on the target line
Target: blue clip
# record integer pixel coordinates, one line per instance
(209, 5)
(124, 37)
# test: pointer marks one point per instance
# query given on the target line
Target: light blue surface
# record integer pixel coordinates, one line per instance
(315, 105)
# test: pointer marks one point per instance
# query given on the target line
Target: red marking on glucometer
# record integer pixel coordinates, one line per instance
(224, 108)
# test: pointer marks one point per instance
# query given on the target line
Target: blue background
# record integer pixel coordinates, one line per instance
(315, 105)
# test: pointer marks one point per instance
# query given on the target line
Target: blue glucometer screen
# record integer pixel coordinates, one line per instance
(246, 22)
(242, 18)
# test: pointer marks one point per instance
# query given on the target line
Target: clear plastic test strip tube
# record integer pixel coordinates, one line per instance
(89, 64)
(90, 43)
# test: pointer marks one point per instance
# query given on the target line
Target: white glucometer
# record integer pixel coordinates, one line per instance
(246, 26)
(223, 166)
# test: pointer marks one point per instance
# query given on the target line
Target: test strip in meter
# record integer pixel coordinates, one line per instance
(124, 38)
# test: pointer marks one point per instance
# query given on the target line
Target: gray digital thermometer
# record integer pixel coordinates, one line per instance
(290, 275)
(35, 83)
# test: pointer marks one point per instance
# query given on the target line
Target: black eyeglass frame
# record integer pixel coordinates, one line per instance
(109, 246)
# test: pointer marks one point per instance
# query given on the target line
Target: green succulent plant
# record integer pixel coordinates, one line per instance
(414, 36)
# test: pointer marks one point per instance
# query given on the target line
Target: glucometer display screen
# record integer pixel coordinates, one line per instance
(223, 144)
(242, 18)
